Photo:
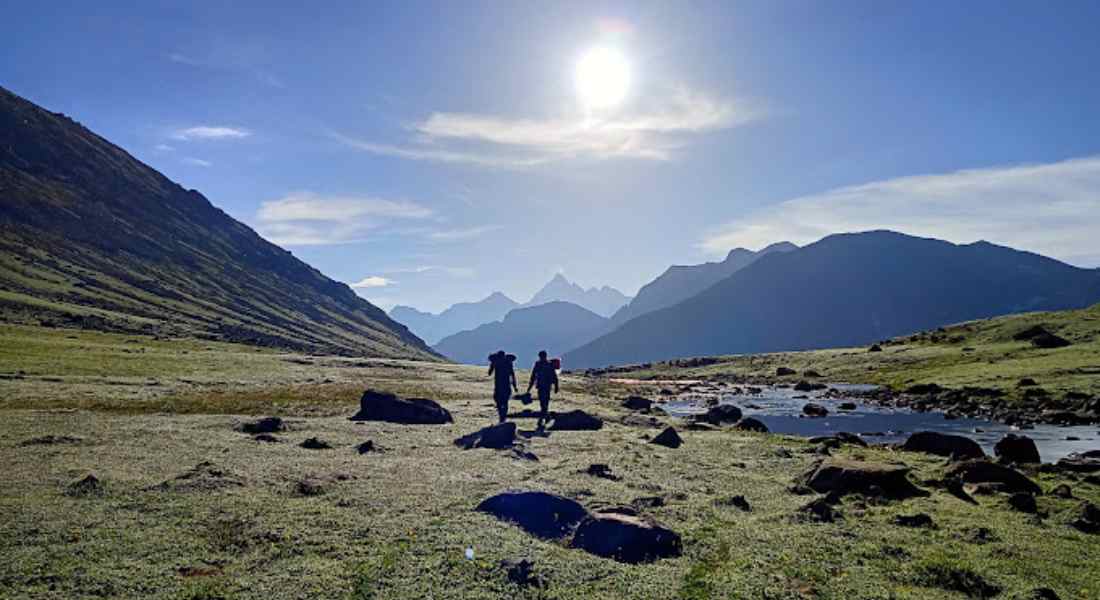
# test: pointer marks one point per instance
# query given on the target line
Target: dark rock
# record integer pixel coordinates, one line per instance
(1016, 449)
(309, 487)
(1062, 491)
(806, 386)
(924, 389)
(814, 410)
(840, 477)
(1088, 520)
(942, 444)
(847, 406)
(315, 444)
(1049, 340)
(1026, 382)
(920, 520)
(989, 489)
(264, 425)
(785, 371)
(648, 502)
(384, 406)
(751, 424)
(602, 471)
(89, 485)
(499, 437)
(366, 447)
(984, 471)
(820, 510)
(625, 538)
(811, 373)
(637, 403)
(735, 501)
(576, 420)
(266, 437)
(1030, 332)
(722, 414)
(1023, 503)
(50, 440)
(540, 514)
(875, 348)
(668, 438)
(839, 438)
(522, 573)
(1080, 462)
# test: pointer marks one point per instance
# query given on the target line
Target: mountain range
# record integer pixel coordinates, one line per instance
(846, 290)
(603, 301)
(91, 237)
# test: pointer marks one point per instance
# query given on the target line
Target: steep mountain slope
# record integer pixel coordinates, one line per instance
(680, 282)
(554, 327)
(603, 301)
(91, 237)
(459, 317)
(846, 290)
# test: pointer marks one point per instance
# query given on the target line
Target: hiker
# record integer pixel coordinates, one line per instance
(543, 376)
(505, 381)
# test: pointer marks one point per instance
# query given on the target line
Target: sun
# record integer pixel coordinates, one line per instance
(602, 78)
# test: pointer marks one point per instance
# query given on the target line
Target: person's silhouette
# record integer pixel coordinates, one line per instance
(543, 377)
(504, 383)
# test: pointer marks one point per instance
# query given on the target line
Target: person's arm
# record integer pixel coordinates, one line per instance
(515, 386)
(555, 372)
(534, 373)
(491, 365)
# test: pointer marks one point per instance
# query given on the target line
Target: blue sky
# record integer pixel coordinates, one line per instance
(436, 152)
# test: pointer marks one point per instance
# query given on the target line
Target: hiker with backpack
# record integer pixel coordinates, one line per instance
(544, 375)
(500, 364)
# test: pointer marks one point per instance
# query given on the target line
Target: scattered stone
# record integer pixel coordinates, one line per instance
(315, 444)
(1027, 382)
(839, 438)
(984, 471)
(602, 471)
(266, 437)
(751, 424)
(722, 414)
(1081, 462)
(1016, 449)
(1088, 520)
(875, 348)
(820, 510)
(1062, 491)
(576, 420)
(738, 501)
(264, 425)
(522, 573)
(785, 371)
(499, 437)
(811, 373)
(366, 447)
(840, 477)
(540, 514)
(626, 538)
(942, 444)
(919, 520)
(637, 403)
(806, 386)
(815, 410)
(309, 487)
(668, 438)
(384, 406)
(847, 406)
(1023, 502)
(50, 440)
(89, 485)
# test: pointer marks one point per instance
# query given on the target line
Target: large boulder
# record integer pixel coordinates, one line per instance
(637, 403)
(1081, 462)
(839, 477)
(384, 406)
(984, 471)
(668, 438)
(499, 437)
(626, 538)
(540, 514)
(1017, 449)
(751, 424)
(943, 444)
(576, 420)
(815, 410)
(806, 386)
(722, 414)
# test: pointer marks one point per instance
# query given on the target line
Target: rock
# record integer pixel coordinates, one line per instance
(924, 389)
(540, 514)
(638, 403)
(942, 444)
(700, 426)
(735, 501)
(309, 487)
(1016, 449)
(576, 420)
(50, 440)
(722, 414)
(1088, 520)
(1080, 462)
(384, 406)
(919, 520)
(366, 447)
(840, 477)
(648, 502)
(668, 438)
(1026, 382)
(1049, 340)
(847, 406)
(751, 424)
(266, 437)
(1043, 593)
(839, 438)
(626, 538)
(806, 386)
(499, 437)
(521, 454)
(602, 471)
(1023, 503)
(315, 444)
(814, 410)
(785, 371)
(811, 373)
(1062, 491)
(984, 471)
(264, 425)
(522, 573)
(89, 485)
(819, 511)
(875, 348)
(989, 489)
(203, 477)
(1030, 332)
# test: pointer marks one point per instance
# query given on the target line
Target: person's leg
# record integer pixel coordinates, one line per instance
(501, 400)
(544, 402)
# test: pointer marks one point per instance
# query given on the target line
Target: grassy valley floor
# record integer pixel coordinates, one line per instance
(188, 507)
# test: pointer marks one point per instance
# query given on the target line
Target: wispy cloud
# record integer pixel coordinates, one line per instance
(196, 162)
(462, 272)
(373, 281)
(457, 235)
(231, 56)
(1052, 208)
(306, 218)
(210, 132)
(493, 141)
(164, 148)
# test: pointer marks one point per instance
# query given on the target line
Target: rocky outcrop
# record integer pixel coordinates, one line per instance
(384, 406)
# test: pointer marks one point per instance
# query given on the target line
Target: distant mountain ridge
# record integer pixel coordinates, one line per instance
(459, 317)
(91, 237)
(680, 282)
(553, 326)
(603, 301)
(846, 290)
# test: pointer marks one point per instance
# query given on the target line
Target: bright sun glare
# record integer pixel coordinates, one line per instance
(602, 78)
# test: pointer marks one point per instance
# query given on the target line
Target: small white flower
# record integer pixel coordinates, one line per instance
(469, 554)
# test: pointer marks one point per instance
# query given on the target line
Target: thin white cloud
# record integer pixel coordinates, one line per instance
(197, 162)
(1052, 209)
(457, 235)
(304, 218)
(210, 132)
(460, 272)
(164, 148)
(374, 281)
(494, 141)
